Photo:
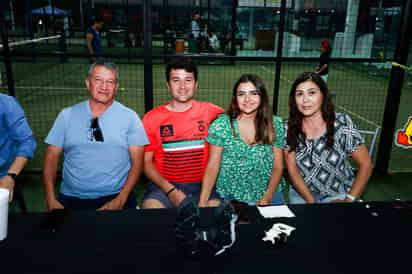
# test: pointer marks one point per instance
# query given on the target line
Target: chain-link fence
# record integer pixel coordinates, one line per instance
(49, 58)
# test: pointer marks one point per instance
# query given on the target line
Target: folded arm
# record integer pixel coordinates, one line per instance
(50, 165)
(210, 175)
(295, 177)
(136, 158)
(176, 196)
(364, 163)
(277, 170)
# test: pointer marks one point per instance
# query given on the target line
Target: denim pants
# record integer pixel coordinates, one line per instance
(295, 198)
(277, 199)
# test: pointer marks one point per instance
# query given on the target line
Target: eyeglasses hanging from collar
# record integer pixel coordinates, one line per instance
(95, 131)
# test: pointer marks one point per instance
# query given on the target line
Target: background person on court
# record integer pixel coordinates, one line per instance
(195, 30)
(94, 40)
(325, 52)
(177, 155)
(195, 26)
(103, 145)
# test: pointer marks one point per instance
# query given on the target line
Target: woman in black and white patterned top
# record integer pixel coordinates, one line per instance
(319, 145)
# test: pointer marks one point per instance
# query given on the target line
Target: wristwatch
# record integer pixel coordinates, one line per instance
(12, 175)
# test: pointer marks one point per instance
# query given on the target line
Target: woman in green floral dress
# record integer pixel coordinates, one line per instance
(246, 148)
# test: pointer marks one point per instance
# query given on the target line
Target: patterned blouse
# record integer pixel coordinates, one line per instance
(328, 172)
(245, 169)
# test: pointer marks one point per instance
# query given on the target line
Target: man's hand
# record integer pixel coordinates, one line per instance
(53, 204)
(115, 204)
(176, 197)
(8, 183)
(202, 204)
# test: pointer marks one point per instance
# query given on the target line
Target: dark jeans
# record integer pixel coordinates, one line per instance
(75, 203)
(190, 189)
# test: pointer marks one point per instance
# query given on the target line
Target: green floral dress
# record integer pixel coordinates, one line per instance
(245, 170)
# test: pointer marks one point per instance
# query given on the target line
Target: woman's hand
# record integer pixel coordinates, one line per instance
(265, 200)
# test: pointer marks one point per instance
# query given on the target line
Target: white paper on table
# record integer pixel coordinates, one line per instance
(275, 211)
(278, 229)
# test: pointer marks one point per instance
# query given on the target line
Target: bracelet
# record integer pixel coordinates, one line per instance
(351, 197)
(170, 191)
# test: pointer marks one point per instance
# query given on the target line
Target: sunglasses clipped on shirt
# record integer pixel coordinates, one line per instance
(95, 131)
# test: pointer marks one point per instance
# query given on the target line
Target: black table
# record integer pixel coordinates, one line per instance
(329, 238)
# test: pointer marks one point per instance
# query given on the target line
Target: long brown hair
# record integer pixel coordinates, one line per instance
(263, 120)
(295, 135)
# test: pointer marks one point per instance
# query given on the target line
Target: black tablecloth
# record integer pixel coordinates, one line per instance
(329, 238)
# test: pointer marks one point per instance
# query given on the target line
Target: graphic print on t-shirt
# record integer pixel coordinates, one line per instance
(166, 131)
(201, 126)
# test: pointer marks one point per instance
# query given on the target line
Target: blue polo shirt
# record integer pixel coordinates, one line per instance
(94, 169)
(16, 137)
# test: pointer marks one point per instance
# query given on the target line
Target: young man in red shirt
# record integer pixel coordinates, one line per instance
(177, 155)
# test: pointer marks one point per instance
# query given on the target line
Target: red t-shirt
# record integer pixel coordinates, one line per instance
(177, 140)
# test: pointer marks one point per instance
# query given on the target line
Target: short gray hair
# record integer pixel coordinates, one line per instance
(109, 65)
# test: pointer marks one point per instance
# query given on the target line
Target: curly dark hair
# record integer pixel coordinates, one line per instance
(265, 133)
(185, 63)
(295, 135)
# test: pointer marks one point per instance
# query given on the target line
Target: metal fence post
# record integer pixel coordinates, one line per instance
(233, 27)
(394, 91)
(7, 61)
(148, 63)
(279, 56)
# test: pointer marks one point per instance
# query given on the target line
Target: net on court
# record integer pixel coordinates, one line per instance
(52, 45)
